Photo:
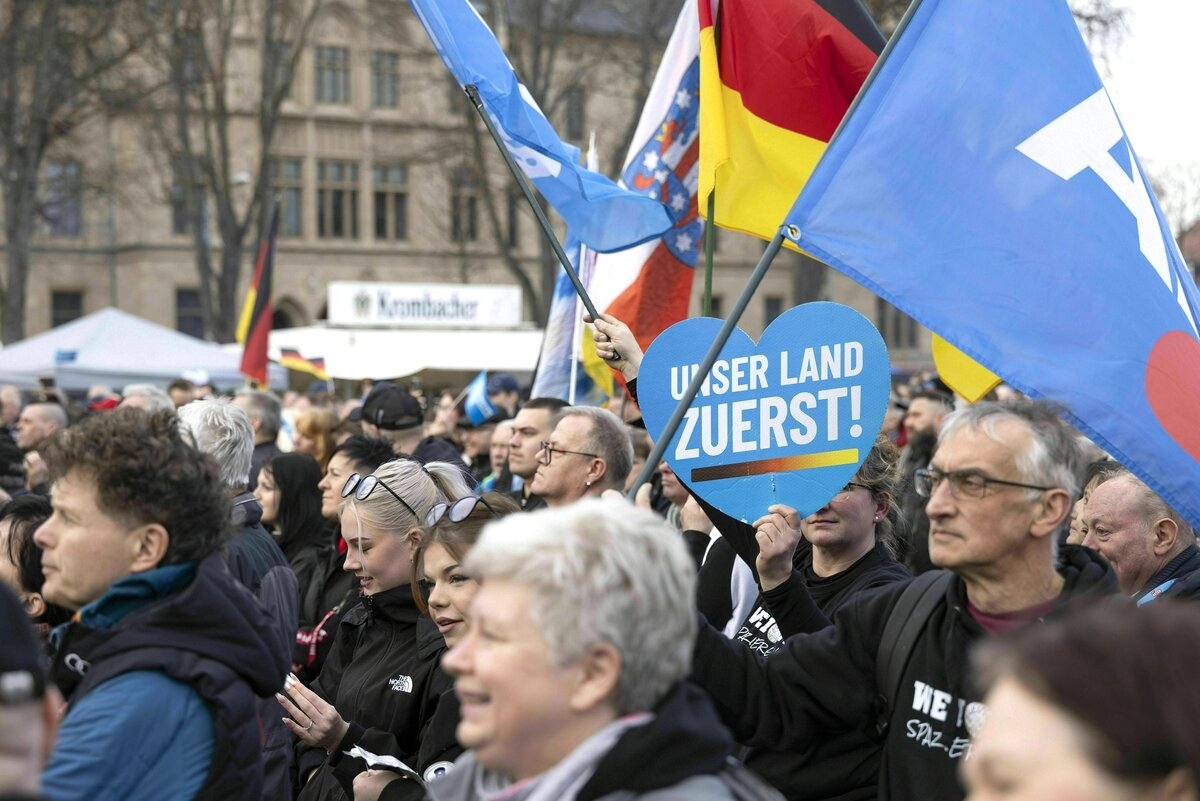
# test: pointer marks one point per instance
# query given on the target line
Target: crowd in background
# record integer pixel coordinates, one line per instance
(246, 595)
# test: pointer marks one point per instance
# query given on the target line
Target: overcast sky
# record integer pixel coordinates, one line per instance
(1154, 78)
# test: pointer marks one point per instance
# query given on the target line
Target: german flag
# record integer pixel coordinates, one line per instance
(255, 325)
(776, 78)
(292, 360)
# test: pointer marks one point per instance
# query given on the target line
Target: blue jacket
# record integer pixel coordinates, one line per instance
(134, 732)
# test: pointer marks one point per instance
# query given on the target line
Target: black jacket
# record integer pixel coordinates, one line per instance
(383, 677)
(256, 561)
(840, 766)
(823, 683)
(329, 594)
(1179, 578)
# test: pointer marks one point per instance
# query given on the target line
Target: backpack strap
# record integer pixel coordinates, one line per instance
(904, 625)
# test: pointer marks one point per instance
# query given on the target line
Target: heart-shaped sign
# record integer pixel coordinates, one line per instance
(788, 420)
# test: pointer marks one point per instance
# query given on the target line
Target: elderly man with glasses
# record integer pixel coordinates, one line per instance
(999, 489)
(588, 452)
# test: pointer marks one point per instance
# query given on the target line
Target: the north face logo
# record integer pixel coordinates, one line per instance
(401, 684)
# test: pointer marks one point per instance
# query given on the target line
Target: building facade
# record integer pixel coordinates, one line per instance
(374, 164)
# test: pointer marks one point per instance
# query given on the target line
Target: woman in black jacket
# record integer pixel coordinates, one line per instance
(443, 591)
(291, 501)
(381, 684)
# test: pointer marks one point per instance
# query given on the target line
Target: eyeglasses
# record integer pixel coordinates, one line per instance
(457, 511)
(963, 483)
(362, 487)
(549, 452)
(849, 488)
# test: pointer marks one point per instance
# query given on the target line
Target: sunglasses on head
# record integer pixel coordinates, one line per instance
(362, 487)
(457, 511)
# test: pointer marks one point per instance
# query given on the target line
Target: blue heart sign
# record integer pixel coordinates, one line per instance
(788, 420)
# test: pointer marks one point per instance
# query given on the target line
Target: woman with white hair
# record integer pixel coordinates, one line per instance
(380, 683)
(571, 677)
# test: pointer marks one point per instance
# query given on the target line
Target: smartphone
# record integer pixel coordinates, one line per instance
(47, 381)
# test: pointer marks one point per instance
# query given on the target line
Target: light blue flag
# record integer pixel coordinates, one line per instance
(478, 405)
(603, 215)
(985, 185)
(558, 355)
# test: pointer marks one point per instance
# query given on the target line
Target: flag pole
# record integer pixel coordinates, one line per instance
(735, 314)
(527, 191)
(709, 231)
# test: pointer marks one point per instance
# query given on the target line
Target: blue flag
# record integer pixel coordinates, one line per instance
(984, 184)
(568, 349)
(604, 216)
(478, 405)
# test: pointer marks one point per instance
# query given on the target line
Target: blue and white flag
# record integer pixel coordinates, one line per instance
(568, 355)
(604, 216)
(478, 405)
(985, 185)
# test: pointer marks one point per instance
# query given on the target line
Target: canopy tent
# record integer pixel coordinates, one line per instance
(441, 354)
(115, 348)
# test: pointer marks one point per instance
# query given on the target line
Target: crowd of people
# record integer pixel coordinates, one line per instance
(256, 597)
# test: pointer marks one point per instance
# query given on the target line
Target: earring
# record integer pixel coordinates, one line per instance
(876, 518)
(587, 484)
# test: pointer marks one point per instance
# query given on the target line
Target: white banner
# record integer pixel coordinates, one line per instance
(423, 305)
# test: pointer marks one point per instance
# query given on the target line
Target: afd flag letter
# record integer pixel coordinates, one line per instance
(601, 214)
(984, 184)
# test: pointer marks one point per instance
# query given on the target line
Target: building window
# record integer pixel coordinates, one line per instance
(188, 317)
(337, 200)
(62, 207)
(464, 207)
(65, 306)
(898, 329)
(391, 202)
(332, 65)
(287, 180)
(772, 308)
(281, 56)
(513, 234)
(180, 224)
(573, 100)
(385, 79)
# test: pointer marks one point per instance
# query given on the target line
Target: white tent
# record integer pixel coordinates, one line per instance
(358, 353)
(115, 348)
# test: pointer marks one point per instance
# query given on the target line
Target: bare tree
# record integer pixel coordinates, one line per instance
(62, 64)
(199, 119)
(558, 47)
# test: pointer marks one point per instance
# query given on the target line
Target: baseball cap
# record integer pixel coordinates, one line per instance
(391, 408)
(22, 663)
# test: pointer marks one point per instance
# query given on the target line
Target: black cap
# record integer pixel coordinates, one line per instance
(22, 661)
(391, 408)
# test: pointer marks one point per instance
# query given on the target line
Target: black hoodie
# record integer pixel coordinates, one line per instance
(825, 682)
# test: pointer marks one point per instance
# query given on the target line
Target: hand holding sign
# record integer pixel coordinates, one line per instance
(786, 421)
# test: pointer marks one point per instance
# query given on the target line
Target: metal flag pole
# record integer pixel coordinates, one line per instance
(735, 314)
(527, 191)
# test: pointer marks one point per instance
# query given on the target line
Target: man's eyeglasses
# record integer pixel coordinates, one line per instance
(547, 452)
(963, 483)
(457, 511)
(362, 487)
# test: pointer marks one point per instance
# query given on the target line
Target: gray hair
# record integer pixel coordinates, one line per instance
(421, 487)
(1052, 458)
(156, 399)
(220, 428)
(265, 407)
(1151, 506)
(609, 439)
(601, 571)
